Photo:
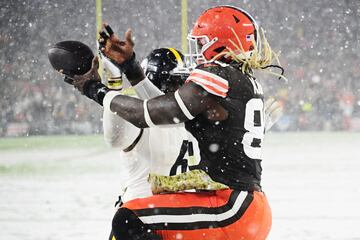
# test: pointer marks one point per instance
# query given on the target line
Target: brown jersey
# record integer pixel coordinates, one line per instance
(230, 149)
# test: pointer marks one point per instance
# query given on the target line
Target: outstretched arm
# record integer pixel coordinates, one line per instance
(172, 108)
(186, 103)
(189, 101)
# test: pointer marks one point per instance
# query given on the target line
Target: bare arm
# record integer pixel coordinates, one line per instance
(165, 109)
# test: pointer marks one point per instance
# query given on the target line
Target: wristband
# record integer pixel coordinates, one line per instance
(95, 90)
(132, 70)
(114, 83)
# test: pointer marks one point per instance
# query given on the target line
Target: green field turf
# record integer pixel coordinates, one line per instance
(84, 141)
(51, 142)
(17, 153)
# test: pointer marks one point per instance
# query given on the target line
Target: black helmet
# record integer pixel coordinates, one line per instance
(71, 58)
(164, 67)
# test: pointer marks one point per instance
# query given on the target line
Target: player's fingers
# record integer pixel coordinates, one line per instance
(104, 52)
(102, 49)
(95, 63)
(101, 43)
(112, 36)
(128, 37)
(103, 35)
(108, 29)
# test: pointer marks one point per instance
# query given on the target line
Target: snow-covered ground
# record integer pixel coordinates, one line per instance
(311, 179)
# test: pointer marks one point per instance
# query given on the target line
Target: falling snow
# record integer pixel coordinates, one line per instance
(311, 179)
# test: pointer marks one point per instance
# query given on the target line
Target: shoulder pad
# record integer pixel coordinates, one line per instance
(208, 77)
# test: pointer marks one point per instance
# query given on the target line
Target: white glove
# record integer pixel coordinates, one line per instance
(113, 79)
(273, 112)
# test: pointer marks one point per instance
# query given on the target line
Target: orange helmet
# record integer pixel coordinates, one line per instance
(215, 28)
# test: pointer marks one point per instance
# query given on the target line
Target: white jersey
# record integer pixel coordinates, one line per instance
(155, 152)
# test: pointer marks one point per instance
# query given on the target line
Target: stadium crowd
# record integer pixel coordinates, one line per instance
(319, 50)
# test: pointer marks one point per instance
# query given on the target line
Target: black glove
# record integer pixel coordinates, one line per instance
(95, 90)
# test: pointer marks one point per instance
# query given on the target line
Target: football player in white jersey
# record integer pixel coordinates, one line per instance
(150, 150)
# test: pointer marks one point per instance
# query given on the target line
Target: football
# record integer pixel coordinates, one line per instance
(71, 57)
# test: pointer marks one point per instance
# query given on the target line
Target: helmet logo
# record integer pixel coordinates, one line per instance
(236, 19)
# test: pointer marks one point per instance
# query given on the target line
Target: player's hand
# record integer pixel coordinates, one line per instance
(113, 47)
(79, 81)
(273, 112)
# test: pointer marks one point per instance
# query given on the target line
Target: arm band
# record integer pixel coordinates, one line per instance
(148, 120)
(182, 106)
(108, 98)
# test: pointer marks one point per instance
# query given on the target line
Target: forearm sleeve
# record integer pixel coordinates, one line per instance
(147, 90)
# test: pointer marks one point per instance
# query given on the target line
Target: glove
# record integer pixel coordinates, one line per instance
(113, 74)
(273, 112)
(90, 84)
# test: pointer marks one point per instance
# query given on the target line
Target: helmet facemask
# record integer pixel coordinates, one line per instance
(166, 69)
(197, 47)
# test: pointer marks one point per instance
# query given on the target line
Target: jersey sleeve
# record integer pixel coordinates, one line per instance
(147, 90)
(207, 76)
(117, 131)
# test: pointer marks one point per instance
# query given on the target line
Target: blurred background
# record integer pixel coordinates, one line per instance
(58, 180)
(318, 41)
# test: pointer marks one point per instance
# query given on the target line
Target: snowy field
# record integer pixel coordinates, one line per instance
(65, 188)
